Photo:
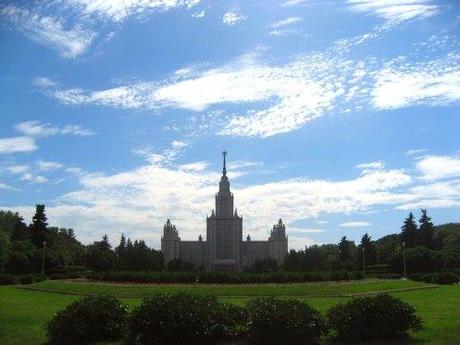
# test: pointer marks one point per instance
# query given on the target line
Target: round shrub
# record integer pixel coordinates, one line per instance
(89, 319)
(373, 318)
(183, 318)
(276, 321)
(445, 278)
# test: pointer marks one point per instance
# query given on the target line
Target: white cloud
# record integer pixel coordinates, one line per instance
(18, 169)
(285, 22)
(4, 186)
(293, 94)
(43, 82)
(371, 166)
(200, 14)
(439, 167)
(38, 129)
(48, 165)
(291, 3)
(355, 224)
(395, 10)
(34, 178)
(231, 18)
(17, 144)
(119, 10)
(433, 83)
(415, 152)
(49, 31)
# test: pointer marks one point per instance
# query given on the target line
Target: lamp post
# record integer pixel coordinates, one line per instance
(43, 259)
(364, 261)
(84, 262)
(404, 258)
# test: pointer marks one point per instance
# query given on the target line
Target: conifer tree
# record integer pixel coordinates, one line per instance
(344, 250)
(426, 231)
(39, 225)
(121, 249)
(409, 231)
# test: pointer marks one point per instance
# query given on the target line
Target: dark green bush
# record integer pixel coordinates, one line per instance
(444, 278)
(30, 278)
(183, 318)
(89, 319)
(373, 318)
(389, 276)
(276, 321)
(8, 279)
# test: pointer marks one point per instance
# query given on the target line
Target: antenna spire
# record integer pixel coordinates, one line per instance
(224, 170)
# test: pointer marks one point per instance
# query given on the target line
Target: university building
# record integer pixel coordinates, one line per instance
(224, 248)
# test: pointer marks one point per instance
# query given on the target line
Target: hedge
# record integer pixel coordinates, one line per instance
(222, 277)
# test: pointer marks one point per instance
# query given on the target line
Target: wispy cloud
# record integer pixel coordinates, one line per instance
(48, 165)
(17, 169)
(38, 129)
(357, 224)
(118, 11)
(285, 22)
(232, 18)
(17, 144)
(396, 10)
(292, 3)
(402, 84)
(49, 31)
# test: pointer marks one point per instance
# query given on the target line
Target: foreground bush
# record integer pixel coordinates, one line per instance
(89, 319)
(373, 318)
(276, 321)
(183, 318)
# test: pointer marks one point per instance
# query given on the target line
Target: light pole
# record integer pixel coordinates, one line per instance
(364, 261)
(43, 259)
(404, 259)
(84, 262)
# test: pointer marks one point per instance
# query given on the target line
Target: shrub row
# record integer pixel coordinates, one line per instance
(10, 279)
(435, 278)
(221, 277)
(186, 318)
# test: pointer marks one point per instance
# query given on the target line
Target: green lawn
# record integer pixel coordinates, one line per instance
(24, 310)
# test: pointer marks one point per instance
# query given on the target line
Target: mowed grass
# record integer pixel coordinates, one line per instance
(320, 289)
(24, 310)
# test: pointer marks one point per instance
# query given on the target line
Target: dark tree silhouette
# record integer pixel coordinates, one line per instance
(39, 225)
(344, 250)
(426, 231)
(409, 231)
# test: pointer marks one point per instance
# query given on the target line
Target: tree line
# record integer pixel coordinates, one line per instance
(27, 248)
(426, 248)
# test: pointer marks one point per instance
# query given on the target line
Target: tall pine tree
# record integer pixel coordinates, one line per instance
(409, 231)
(370, 250)
(344, 250)
(39, 226)
(426, 231)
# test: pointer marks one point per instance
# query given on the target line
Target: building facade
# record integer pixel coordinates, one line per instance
(224, 248)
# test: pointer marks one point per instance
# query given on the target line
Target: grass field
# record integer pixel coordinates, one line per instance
(24, 310)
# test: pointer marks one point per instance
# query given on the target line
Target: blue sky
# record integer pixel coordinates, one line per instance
(339, 116)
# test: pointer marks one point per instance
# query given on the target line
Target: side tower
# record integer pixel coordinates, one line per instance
(278, 242)
(170, 242)
(224, 229)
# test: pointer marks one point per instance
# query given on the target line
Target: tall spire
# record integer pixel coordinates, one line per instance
(224, 170)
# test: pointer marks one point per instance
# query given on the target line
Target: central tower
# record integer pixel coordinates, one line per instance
(224, 229)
